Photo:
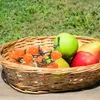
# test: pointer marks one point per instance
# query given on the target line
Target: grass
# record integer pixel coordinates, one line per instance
(22, 18)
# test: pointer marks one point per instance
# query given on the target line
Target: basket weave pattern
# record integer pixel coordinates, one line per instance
(43, 80)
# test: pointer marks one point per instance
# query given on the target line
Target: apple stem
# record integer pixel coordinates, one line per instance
(57, 44)
(58, 41)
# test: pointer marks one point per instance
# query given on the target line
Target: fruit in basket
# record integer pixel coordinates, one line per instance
(11, 55)
(83, 58)
(55, 60)
(36, 55)
(51, 65)
(34, 50)
(16, 54)
(66, 43)
(19, 52)
(52, 56)
(59, 63)
(62, 63)
(28, 58)
(93, 48)
(39, 59)
(55, 55)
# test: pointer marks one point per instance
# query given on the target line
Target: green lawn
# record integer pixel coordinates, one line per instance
(22, 18)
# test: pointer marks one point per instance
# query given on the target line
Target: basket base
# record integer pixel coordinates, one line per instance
(3, 75)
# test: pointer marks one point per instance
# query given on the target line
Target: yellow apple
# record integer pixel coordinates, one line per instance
(62, 63)
(93, 48)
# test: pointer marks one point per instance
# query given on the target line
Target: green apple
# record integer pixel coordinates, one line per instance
(67, 44)
(62, 63)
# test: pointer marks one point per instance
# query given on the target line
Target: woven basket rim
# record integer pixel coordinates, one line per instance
(25, 68)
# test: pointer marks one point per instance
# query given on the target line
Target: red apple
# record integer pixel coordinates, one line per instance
(93, 48)
(83, 59)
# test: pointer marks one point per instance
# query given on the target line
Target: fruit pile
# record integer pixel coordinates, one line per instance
(36, 56)
(67, 51)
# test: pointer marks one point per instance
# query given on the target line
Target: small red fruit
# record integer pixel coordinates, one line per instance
(19, 52)
(11, 55)
(39, 59)
(34, 50)
(52, 65)
(56, 55)
(28, 58)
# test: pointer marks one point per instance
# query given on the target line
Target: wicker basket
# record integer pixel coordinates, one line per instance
(28, 79)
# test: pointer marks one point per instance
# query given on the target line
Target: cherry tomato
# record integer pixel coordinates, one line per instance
(53, 65)
(56, 55)
(19, 52)
(39, 59)
(28, 58)
(44, 66)
(34, 50)
(11, 55)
